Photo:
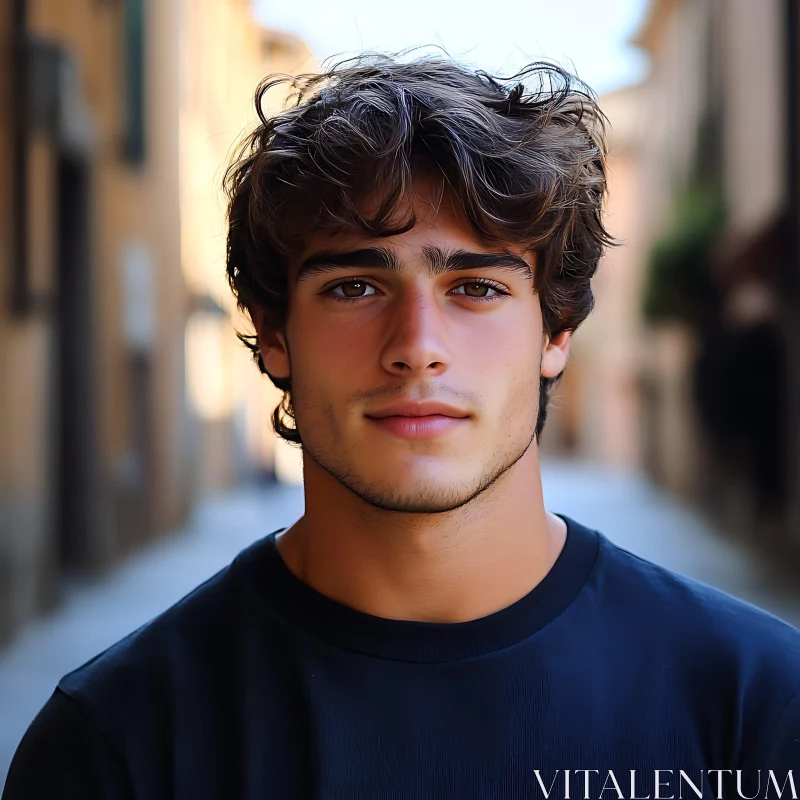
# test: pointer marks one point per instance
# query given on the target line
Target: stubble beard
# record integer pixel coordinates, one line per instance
(422, 497)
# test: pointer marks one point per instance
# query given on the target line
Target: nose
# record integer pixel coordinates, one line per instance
(415, 342)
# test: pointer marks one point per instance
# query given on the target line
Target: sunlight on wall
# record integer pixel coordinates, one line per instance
(209, 370)
(288, 463)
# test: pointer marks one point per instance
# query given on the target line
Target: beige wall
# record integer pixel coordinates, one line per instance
(651, 141)
(162, 219)
(660, 156)
(128, 205)
(131, 204)
(23, 386)
(754, 112)
(223, 55)
(607, 349)
(671, 103)
(745, 42)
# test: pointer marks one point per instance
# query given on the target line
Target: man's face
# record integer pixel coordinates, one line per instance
(374, 322)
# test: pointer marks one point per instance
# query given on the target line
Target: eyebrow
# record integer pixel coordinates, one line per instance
(437, 260)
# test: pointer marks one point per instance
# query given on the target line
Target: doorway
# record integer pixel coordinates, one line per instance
(75, 418)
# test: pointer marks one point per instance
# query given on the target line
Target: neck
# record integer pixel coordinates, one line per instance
(449, 567)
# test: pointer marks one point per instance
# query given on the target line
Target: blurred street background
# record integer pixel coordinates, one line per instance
(137, 455)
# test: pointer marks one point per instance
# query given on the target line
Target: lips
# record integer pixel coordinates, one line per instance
(427, 427)
(426, 408)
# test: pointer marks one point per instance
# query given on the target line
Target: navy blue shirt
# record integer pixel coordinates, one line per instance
(612, 678)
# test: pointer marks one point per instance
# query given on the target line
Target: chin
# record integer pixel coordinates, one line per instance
(425, 490)
(411, 502)
(414, 472)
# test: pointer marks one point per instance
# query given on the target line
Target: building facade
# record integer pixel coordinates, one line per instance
(124, 394)
(93, 302)
(718, 166)
(223, 57)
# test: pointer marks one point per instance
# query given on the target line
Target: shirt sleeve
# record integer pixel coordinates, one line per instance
(64, 754)
(777, 758)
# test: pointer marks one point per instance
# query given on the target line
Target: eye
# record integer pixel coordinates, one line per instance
(481, 290)
(351, 290)
(480, 286)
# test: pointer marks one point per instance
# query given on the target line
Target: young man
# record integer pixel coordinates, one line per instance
(414, 243)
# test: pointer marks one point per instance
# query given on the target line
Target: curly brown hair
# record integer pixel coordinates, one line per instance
(525, 163)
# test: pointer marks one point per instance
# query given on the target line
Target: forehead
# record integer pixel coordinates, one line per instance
(439, 222)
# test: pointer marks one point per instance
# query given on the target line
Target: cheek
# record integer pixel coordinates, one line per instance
(332, 355)
(511, 346)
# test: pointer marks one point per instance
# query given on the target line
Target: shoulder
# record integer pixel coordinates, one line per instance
(742, 649)
(188, 648)
(81, 761)
(727, 664)
(117, 716)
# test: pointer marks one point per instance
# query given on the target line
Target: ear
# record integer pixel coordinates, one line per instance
(555, 353)
(272, 347)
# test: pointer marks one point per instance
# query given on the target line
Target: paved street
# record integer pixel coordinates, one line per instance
(625, 507)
